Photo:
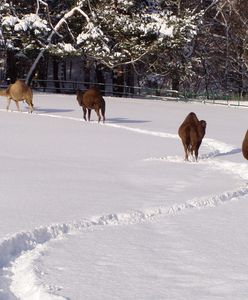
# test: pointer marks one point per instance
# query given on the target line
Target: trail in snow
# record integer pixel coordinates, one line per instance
(238, 169)
(137, 130)
(29, 287)
(217, 149)
(18, 248)
(23, 258)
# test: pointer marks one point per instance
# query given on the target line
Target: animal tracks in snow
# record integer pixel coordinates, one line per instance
(18, 252)
(217, 149)
(17, 255)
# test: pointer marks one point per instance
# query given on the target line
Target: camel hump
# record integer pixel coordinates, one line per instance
(192, 115)
(92, 96)
(19, 81)
(93, 91)
(20, 91)
(191, 118)
(21, 85)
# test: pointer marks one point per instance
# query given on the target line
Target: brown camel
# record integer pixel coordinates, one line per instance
(191, 132)
(18, 91)
(92, 99)
(245, 146)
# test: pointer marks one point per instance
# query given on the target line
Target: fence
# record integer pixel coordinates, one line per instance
(70, 87)
(231, 99)
(107, 89)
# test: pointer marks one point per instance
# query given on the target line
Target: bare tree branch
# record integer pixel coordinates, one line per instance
(49, 40)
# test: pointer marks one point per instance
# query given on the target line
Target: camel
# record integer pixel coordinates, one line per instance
(91, 99)
(191, 132)
(18, 91)
(245, 146)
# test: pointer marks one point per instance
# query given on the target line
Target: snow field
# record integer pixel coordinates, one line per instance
(20, 252)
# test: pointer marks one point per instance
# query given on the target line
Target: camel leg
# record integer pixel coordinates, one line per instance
(196, 151)
(89, 114)
(186, 152)
(98, 114)
(8, 103)
(31, 109)
(196, 154)
(103, 116)
(197, 147)
(17, 105)
(84, 111)
(192, 152)
(30, 105)
(186, 146)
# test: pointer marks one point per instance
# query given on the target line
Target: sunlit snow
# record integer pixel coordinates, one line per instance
(112, 211)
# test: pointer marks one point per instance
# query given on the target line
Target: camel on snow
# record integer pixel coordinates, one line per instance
(18, 91)
(191, 132)
(91, 99)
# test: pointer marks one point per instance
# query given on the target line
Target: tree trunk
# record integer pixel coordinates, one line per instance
(175, 80)
(100, 78)
(56, 74)
(118, 80)
(130, 79)
(11, 72)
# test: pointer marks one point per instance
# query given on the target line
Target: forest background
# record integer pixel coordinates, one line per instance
(195, 47)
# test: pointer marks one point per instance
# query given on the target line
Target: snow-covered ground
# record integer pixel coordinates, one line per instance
(94, 211)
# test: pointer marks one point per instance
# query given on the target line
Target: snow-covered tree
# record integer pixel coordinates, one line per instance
(111, 32)
(220, 48)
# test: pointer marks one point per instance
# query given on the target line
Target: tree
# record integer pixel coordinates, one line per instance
(223, 44)
(111, 32)
(233, 16)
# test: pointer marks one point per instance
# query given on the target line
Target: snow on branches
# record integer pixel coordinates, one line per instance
(30, 22)
(112, 32)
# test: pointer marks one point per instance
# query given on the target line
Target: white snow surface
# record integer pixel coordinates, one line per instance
(112, 211)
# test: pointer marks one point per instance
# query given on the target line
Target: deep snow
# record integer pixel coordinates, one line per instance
(93, 211)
